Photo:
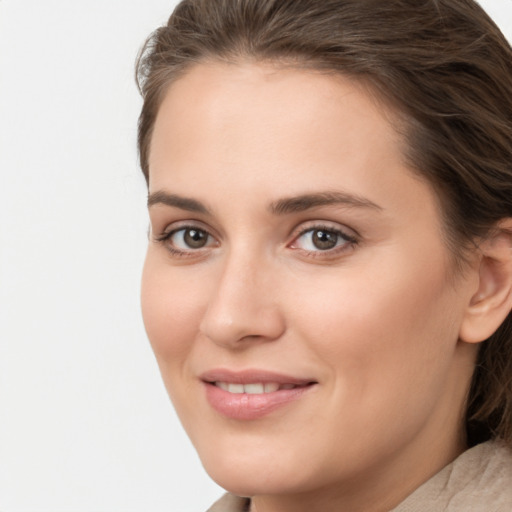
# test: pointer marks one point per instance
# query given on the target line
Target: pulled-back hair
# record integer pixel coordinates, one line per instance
(444, 67)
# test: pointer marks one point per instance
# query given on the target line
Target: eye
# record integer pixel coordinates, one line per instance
(187, 239)
(322, 239)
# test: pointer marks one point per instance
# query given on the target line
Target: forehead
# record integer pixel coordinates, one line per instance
(279, 131)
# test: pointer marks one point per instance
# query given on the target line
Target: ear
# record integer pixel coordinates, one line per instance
(492, 302)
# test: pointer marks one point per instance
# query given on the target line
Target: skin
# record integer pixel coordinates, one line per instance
(375, 322)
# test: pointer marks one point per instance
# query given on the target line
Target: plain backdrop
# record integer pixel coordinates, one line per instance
(85, 424)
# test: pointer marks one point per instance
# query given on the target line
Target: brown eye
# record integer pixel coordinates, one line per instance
(195, 238)
(186, 239)
(324, 240)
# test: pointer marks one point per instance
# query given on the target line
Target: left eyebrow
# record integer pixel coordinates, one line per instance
(307, 201)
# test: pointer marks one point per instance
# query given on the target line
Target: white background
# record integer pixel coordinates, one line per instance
(85, 424)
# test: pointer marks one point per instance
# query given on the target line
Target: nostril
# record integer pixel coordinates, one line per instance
(241, 326)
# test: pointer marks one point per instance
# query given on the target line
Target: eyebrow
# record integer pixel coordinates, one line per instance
(183, 203)
(307, 201)
(283, 206)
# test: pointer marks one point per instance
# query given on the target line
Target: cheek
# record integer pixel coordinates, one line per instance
(172, 307)
(384, 338)
(389, 324)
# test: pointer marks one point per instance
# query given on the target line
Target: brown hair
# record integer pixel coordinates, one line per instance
(444, 66)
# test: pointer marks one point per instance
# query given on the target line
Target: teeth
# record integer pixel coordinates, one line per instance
(222, 385)
(236, 388)
(256, 388)
(270, 387)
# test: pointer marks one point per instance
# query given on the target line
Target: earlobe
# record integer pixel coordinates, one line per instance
(492, 302)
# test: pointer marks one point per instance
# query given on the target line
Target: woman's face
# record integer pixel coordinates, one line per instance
(297, 291)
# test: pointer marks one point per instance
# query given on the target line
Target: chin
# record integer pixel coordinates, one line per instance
(249, 482)
(258, 471)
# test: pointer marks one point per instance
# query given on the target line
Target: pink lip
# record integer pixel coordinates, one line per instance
(243, 406)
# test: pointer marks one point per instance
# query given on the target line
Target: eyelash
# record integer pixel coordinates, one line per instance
(348, 241)
(191, 253)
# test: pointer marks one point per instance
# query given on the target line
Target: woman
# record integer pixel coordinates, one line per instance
(328, 282)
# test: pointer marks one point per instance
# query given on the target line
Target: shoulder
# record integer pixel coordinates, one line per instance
(479, 480)
(230, 503)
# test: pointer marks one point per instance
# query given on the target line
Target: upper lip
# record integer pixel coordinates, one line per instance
(251, 376)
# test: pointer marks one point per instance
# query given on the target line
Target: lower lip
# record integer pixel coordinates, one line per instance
(245, 406)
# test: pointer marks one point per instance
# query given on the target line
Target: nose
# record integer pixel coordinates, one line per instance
(242, 308)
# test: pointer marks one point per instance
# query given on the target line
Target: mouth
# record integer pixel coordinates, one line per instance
(250, 395)
(256, 388)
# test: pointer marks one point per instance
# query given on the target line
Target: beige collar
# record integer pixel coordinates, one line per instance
(479, 480)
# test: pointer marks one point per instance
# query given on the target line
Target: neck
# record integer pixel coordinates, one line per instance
(379, 491)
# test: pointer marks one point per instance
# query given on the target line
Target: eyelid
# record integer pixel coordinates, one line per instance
(164, 238)
(349, 236)
(345, 231)
(168, 234)
(172, 227)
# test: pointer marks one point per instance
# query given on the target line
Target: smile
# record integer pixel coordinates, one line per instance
(252, 395)
(253, 389)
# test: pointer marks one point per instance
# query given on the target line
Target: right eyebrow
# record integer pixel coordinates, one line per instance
(183, 203)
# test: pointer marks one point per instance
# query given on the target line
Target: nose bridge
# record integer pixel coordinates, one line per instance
(243, 306)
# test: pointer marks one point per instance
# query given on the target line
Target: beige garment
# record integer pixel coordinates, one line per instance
(230, 503)
(480, 480)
